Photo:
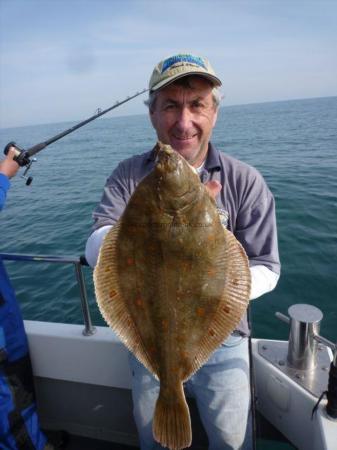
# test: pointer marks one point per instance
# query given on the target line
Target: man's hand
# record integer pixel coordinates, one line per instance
(213, 187)
(8, 166)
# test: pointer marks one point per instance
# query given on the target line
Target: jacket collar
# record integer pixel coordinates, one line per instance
(212, 159)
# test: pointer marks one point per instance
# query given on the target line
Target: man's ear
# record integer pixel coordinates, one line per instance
(152, 117)
(215, 117)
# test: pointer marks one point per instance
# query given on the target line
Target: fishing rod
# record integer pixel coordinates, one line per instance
(23, 157)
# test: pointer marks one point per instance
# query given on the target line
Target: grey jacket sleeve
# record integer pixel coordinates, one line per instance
(115, 196)
(256, 226)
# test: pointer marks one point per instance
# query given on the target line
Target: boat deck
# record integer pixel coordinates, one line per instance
(268, 437)
(65, 441)
(81, 443)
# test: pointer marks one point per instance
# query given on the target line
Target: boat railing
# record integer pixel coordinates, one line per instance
(77, 262)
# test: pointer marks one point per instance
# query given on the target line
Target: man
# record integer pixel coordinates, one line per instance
(183, 106)
(19, 423)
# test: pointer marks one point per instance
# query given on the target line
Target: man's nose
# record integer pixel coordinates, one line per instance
(184, 119)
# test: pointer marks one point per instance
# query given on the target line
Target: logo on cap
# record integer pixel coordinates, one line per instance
(182, 58)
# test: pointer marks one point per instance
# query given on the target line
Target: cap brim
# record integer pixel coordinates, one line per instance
(170, 80)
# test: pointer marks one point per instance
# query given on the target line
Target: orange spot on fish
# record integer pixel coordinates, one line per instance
(200, 312)
(211, 273)
(139, 302)
(132, 230)
(130, 261)
(112, 293)
(152, 349)
(183, 354)
(186, 266)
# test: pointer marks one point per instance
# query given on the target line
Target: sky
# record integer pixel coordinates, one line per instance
(61, 60)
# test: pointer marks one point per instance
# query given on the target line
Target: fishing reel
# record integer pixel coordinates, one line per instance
(22, 157)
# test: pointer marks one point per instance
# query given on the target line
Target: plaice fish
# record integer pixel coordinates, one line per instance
(172, 283)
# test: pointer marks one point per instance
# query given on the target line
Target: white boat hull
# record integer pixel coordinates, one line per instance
(83, 386)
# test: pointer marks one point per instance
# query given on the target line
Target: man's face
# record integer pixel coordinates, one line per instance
(184, 117)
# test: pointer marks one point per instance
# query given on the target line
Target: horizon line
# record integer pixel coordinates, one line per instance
(142, 114)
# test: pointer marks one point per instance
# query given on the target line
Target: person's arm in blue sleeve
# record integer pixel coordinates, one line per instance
(8, 168)
(4, 186)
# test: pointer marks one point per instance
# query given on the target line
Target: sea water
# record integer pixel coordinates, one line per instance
(292, 143)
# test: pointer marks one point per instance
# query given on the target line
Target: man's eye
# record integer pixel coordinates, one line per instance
(169, 107)
(197, 105)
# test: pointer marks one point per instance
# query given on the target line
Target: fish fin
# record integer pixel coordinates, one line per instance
(111, 303)
(233, 303)
(171, 421)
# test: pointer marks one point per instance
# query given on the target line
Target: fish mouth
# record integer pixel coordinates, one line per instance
(167, 159)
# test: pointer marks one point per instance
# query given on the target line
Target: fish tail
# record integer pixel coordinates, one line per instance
(171, 421)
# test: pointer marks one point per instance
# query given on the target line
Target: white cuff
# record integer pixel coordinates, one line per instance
(94, 244)
(263, 280)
